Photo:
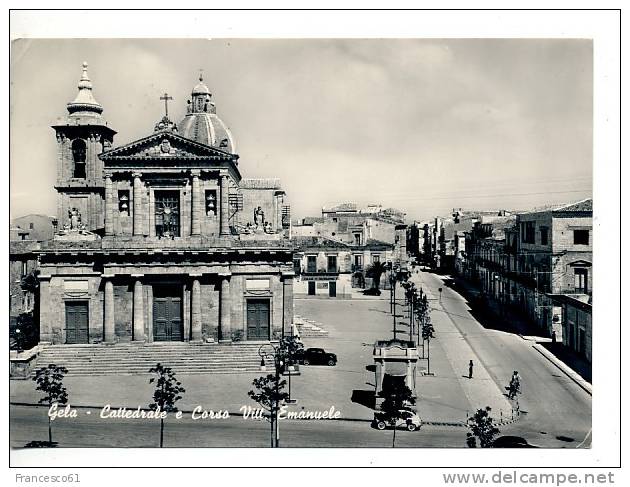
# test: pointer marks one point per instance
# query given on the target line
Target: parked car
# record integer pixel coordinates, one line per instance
(315, 356)
(372, 292)
(409, 420)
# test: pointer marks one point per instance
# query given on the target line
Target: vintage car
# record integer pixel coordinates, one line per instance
(315, 356)
(408, 420)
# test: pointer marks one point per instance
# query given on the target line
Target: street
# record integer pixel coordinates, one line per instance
(88, 430)
(555, 412)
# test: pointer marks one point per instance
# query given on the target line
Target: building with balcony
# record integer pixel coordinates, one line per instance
(325, 267)
(525, 261)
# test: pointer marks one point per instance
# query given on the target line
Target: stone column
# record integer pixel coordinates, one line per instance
(45, 308)
(108, 318)
(197, 204)
(225, 309)
(225, 227)
(137, 205)
(287, 303)
(109, 210)
(138, 311)
(195, 310)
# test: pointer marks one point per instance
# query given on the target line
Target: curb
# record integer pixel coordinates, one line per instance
(568, 371)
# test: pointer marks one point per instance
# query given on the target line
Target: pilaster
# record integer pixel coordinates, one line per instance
(225, 215)
(225, 321)
(196, 204)
(195, 311)
(137, 204)
(138, 310)
(108, 318)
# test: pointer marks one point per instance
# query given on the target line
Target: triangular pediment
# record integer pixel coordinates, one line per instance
(165, 146)
(580, 263)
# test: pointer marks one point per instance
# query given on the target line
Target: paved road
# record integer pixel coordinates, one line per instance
(557, 412)
(29, 423)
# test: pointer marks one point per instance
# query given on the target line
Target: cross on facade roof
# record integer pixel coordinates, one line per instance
(166, 98)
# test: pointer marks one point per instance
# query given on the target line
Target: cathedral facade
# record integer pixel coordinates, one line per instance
(162, 239)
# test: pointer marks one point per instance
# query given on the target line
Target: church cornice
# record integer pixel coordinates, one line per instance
(134, 150)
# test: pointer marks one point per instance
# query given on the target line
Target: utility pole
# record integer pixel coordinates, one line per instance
(411, 318)
(278, 362)
(394, 304)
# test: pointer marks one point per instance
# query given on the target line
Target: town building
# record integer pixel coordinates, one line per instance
(162, 239)
(39, 227)
(527, 260)
(577, 324)
(350, 224)
(22, 262)
(325, 267)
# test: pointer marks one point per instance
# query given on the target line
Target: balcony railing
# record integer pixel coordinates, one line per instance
(313, 270)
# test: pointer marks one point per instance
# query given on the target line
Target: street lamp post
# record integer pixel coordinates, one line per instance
(277, 354)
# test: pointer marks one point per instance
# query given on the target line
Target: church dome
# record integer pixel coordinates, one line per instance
(201, 122)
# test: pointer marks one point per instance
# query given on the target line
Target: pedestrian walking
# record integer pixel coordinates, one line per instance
(470, 369)
(553, 338)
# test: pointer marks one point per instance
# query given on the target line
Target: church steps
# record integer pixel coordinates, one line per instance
(135, 358)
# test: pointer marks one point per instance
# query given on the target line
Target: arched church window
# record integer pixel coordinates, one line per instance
(78, 157)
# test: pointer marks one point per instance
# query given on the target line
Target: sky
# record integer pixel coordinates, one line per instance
(422, 125)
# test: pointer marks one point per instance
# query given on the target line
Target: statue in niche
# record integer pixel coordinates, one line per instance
(267, 227)
(74, 216)
(167, 217)
(259, 217)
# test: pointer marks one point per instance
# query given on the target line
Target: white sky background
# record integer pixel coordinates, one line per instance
(420, 125)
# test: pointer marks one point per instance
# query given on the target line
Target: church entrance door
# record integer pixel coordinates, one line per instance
(258, 319)
(167, 314)
(77, 322)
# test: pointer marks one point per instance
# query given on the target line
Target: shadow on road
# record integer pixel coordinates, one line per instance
(366, 398)
(40, 444)
(489, 316)
(569, 357)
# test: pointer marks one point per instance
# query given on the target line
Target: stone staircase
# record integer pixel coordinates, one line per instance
(138, 358)
(308, 328)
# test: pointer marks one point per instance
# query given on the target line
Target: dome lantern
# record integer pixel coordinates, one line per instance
(201, 122)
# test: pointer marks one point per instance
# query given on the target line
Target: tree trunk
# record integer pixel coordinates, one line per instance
(49, 432)
(429, 356)
(271, 421)
(161, 432)
(394, 438)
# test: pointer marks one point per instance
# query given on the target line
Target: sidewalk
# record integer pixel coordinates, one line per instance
(558, 354)
(481, 390)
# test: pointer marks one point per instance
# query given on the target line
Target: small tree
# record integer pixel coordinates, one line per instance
(289, 347)
(481, 427)
(167, 392)
(375, 271)
(397, 398)
(50, 381)
(269, 393)
(428, 333)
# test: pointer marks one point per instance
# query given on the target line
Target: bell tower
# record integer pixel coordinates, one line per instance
(81, 137)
